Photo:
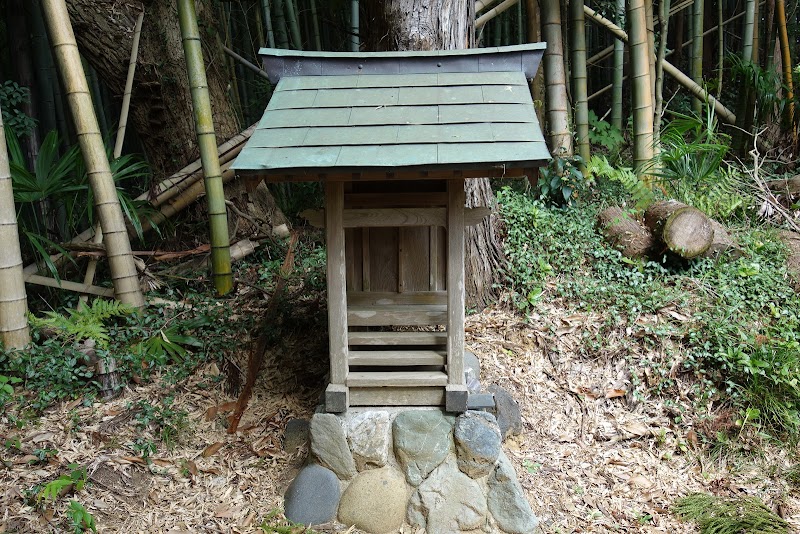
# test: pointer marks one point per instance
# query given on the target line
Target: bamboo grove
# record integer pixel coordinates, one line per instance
(632, 64)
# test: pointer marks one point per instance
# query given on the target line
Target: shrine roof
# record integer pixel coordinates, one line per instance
(396, 111)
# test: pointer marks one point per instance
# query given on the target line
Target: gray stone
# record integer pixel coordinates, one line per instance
(375, 501)
(507, 501)
(370, 436)
(295, 435)
(422, 440)
(509, 416)
(329, 445)
(448, 501)
(313, 496)
(477, 439)
(472, 372)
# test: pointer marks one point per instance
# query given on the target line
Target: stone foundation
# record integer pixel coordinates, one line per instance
(378, 469)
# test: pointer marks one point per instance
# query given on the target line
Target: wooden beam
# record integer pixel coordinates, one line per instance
(401, 315)
(397, 357)
(327, 175)
(387, 298)
(394, 200)
(397, 396)
(396, 217)
(396, 338)
(337, 297)
(396, 379)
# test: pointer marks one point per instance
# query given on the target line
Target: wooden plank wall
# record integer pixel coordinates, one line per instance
(399, 259)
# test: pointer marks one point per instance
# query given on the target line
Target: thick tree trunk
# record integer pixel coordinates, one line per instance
(442, 25)
(161, 110)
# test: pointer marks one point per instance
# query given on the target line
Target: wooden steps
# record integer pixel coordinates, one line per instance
(396, 338)
(396, 379)
(397, 315)
(397, 357)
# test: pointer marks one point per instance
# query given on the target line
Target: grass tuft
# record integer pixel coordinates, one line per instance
(729, 515)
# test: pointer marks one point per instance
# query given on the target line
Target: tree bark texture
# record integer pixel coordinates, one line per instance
(625, 233)
(442, 25)
(161, 110)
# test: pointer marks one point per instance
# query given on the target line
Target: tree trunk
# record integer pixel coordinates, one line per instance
(625, 234)
(161, 110)
(684, 230)
(444, 25)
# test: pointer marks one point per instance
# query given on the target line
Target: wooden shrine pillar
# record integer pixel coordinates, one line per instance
(336, 394)
(456, 390)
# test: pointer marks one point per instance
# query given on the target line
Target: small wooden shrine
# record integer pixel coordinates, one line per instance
(393, 136)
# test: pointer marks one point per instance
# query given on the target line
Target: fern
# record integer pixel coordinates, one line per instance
(84, 323)
(641, 195)
(718, 515)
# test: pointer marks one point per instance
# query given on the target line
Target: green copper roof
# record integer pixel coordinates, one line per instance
(326, 120)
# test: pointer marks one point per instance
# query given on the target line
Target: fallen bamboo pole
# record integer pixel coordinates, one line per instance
(244, 62)
(483, 4)
(70, 286)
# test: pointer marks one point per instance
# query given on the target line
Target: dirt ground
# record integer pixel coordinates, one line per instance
(598, 453)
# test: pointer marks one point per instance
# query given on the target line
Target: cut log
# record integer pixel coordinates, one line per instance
(686, 231)
(625, 234)
(788, 186)
(723, 244)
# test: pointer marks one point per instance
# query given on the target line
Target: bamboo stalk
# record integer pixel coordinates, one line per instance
(786, 61)
(520, 23)
(13, 299)
(651, 44)
(579, 80)
(720, 47)
(697, 50)
(315, 26)
(619, 68)
(534, 29)
(355, 44)
(560, 135)
(91, 268)
(120, 259)
(268, 23)
(640, 82)
(294, 27)
(281, 35)
(206, 141)
(492, 13)
(747, 35)
(663, 19)
(724, 113)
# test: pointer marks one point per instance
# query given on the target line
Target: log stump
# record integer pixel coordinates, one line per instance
(686, 231)
(625, 234)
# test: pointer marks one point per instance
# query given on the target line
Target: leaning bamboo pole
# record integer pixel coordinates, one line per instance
(556, 100)
(786, 61)
(13, 299)
(206, 141)
(641, 88)
(120, 259)
(579, 79)
(91, 268)
(483, 4)
(492, 13)
(697, 50)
